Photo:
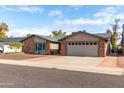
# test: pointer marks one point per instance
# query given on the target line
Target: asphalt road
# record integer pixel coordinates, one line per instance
(30, 77)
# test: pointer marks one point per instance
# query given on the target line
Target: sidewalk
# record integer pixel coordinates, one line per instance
(109, 61)
(93, 69)
(120, 61)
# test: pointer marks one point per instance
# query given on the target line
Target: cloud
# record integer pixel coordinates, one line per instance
(110, 13)
(55, 13)
(106, 12)
(99, 21)
(82, 21)
(30, 9)
(24, 8)
(76, 7)
(24, 31)
(42, 30)
(103, 17)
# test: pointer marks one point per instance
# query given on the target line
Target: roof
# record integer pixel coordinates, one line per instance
(50, 38)
(13, 39)
(105, 36)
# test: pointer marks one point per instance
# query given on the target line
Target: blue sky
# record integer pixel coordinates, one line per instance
(43, 19)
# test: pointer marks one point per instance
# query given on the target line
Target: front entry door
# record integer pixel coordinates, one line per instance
(39, 47)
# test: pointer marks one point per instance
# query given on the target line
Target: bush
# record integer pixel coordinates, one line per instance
(114, 46)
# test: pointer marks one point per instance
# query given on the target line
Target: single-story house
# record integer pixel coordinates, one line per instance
(38, 44)
(85, 44)
(77, 44)
(5, 48)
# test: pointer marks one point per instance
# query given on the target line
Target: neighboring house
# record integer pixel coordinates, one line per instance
(5, 48)
(86, 44)
(37, 44)
(78, 44)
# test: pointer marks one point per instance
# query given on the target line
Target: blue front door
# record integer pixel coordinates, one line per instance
(39, 48)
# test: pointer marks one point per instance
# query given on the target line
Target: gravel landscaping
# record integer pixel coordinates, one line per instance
(19, 56)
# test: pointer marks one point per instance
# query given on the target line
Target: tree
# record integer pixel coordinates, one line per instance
(58, 33)
(29, 35)
(16, 45)
(115, 26)
(114, 36)
(114, 46)
(3, 30)
(108, 31)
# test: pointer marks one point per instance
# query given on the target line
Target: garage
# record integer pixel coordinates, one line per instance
(82, 48)
(82, 43)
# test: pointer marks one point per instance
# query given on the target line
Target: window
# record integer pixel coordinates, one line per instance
(76, 43)
(43, 46)
(91, 43)
(87, 43)
(36, 46)
(39, 47)
(69, 43)
(95, 43)
(72, 43)
(79, 43)
(83, 43)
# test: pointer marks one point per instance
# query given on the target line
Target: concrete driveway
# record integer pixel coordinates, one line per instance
(68, 60)
(102, 65)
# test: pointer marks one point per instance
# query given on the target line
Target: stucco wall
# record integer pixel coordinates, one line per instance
(107, 48)
(39, 40)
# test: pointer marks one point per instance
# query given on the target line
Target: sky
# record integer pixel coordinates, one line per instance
(36, 19)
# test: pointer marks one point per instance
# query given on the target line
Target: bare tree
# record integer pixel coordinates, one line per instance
(115, 27)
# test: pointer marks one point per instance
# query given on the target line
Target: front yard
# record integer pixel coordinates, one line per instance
(109, 61)
(106, 65)
(19, 56)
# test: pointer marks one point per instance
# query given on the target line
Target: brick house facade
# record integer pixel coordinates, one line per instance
(98, 46)
(48, 51)
(28, 45)
(102, 48)
(63, 47)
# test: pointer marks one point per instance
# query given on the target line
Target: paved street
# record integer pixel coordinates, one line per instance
(22, 76)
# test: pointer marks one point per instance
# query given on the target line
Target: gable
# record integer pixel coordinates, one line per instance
(39, 39)
(82, 37)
